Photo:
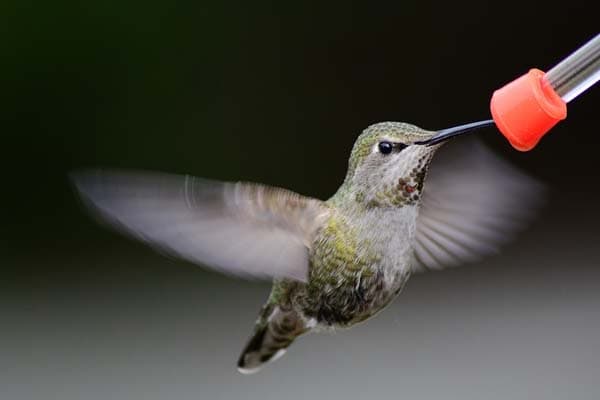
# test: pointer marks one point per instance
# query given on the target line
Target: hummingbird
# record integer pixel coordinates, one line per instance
(333, 263)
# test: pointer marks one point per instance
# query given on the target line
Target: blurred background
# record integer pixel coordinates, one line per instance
(277, 93)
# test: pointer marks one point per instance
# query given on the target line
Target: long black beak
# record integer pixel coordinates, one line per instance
(448, 133)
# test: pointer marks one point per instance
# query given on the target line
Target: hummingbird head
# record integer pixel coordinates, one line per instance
(389, 162)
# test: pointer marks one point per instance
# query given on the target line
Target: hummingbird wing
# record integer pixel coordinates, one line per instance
(242, 229)
(473, 202)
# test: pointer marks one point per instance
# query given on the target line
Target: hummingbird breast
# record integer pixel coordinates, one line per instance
(356, 269)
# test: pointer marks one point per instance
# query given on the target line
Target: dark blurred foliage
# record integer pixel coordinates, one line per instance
(261, 91)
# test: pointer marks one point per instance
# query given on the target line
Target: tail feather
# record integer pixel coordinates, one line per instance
(272, 336)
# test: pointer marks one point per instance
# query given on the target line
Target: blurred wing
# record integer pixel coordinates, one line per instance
(239, 228)
(473, 202)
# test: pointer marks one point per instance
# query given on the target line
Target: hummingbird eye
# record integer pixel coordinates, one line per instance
(385, 147)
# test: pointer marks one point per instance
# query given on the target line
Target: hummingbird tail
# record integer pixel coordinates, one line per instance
(275, 330)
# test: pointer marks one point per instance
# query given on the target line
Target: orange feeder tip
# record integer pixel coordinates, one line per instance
(526, 109)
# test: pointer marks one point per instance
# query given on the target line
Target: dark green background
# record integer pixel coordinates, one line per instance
(277, 93)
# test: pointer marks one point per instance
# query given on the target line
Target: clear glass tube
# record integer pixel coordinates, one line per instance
(576, 73)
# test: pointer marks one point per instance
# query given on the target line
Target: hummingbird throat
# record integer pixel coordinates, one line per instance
(402, 191)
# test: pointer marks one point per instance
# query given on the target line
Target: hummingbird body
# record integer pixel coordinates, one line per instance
(361, 255)
(334, 263)
(352, 276)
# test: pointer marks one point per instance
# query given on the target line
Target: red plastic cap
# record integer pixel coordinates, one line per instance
(526, 109)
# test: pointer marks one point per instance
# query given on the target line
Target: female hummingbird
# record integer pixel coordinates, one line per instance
(338, 262)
